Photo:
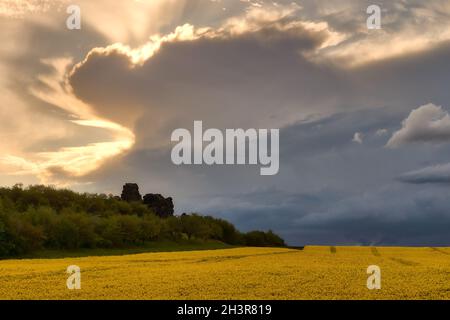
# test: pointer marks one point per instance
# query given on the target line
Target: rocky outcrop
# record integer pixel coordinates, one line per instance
(130, 193)
(161, 206)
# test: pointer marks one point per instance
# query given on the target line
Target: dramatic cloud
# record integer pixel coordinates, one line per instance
(245, 66)
(72, 161)
(269, 22)
(428, 123)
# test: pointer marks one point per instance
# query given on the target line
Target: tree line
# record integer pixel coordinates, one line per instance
(43, 217)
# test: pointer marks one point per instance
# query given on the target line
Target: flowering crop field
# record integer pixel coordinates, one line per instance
(238, 273)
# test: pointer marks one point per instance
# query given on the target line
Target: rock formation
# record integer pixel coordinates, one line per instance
(131, 193)
(161, 206)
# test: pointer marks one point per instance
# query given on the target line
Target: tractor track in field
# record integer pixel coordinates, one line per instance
(237, 257)
(439, 250)
(405, 262)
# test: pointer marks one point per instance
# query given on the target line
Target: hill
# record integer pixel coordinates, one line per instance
(43, 217)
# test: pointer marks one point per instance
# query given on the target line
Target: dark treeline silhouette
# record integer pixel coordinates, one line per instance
(42, 217)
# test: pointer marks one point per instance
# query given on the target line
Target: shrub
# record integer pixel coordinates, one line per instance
(263, 239)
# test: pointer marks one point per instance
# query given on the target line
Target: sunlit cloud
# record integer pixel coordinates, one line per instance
(69, 161)
(377, 47)
(349, 48)
(254, 19)
(141, 54)
(130, 20)
(20, 8)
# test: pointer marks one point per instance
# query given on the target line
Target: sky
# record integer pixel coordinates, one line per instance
(363, 113)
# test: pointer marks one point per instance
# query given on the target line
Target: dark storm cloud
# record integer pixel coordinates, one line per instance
(393, 215)
(353, 197)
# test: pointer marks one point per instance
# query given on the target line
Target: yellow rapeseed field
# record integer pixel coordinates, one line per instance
(240, 273)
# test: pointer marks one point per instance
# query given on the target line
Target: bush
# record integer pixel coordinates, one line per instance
(263, 239)
(151, 227)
